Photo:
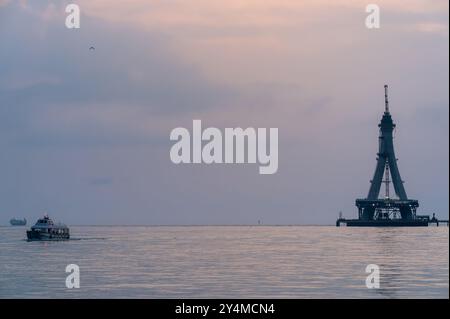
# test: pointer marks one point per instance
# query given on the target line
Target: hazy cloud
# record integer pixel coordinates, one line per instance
(71, 117)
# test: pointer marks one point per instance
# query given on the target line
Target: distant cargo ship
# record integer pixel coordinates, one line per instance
(46, 229)
(18, 222)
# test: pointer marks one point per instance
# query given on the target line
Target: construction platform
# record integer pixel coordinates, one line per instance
(389, 223)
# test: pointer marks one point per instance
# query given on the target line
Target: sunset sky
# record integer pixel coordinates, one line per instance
(84, 134)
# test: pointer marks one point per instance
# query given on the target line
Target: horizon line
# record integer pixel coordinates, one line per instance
(185, 225)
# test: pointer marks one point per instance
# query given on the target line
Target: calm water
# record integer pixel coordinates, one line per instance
(228, 261)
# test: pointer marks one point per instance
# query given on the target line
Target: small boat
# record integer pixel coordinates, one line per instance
(18, 222)
(46, 229)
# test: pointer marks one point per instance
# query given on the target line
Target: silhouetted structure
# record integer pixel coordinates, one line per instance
(387, 211)
(371, 207)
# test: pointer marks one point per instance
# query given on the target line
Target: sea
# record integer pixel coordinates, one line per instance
(228, 262)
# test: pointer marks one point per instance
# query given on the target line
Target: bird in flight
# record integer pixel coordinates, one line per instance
(92, 48)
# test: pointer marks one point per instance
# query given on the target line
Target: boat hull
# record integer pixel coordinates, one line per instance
(17, 222)
(37, 235)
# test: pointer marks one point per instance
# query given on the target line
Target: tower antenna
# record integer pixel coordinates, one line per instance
(386, 102)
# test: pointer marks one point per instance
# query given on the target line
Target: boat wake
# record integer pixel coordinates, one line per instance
(68, 239)
(89, 238)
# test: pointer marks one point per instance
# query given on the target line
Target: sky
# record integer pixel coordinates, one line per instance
(84, 134)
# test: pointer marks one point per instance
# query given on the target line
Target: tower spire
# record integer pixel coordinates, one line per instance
(386, 102)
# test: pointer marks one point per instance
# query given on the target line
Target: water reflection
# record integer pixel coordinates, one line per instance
(221, 262)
